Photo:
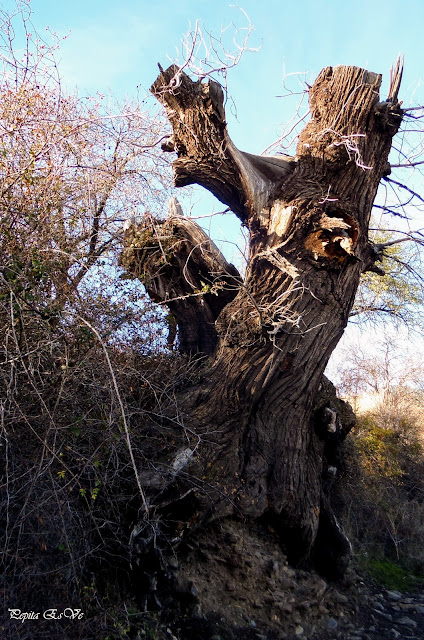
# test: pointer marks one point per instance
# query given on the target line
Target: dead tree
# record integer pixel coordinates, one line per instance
(261, 444)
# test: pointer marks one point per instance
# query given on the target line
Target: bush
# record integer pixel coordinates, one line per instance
(73, 423)
(84, 370)
(384, 489)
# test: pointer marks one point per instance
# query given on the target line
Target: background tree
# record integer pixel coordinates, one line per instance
(72, 172)
(393, 292)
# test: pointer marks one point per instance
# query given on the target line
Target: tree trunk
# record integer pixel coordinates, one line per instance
(260, 447)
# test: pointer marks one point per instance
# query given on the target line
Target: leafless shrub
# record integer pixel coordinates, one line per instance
(84, 371)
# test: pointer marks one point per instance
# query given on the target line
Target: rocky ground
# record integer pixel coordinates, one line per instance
(381, 614)
(236, 584)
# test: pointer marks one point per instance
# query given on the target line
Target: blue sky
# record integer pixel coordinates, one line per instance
(113, 46)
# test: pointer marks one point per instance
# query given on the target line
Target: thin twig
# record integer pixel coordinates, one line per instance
(407, 164)
(121, 405)
(403, 186)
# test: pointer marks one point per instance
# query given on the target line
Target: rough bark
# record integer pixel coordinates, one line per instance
(180, 266)
(261, 446)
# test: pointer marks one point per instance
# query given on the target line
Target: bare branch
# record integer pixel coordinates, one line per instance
(206, 55)
(407, 164)
(391, 211)
(407, 109)
(403, 186)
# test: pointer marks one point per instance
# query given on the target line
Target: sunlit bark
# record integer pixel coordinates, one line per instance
(263, 432)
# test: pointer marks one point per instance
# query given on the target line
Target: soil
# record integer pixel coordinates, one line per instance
(234, 583)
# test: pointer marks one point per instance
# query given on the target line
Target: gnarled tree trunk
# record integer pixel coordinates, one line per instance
(260, 446)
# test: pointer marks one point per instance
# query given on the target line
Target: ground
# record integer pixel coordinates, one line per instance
(235, 584)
